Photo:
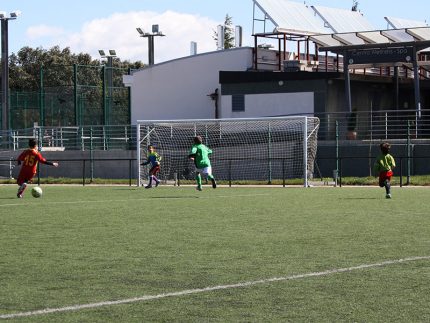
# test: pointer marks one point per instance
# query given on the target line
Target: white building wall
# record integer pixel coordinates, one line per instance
(270, 104)
(179, 89)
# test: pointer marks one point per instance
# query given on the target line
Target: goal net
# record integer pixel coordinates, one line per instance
(265, 150)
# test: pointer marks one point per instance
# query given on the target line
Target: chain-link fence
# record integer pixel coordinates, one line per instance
(83, 95)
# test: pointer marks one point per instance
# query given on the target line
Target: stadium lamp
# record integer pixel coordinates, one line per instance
(108, 73)
(5, 65)
(15, 14)
(150, 36)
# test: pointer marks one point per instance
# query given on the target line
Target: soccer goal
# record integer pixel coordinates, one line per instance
(253, 150)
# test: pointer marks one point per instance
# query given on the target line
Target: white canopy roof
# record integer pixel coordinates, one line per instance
(373, 37)
(397, 23)
(292, 17)
(342, 20)
(337, 27)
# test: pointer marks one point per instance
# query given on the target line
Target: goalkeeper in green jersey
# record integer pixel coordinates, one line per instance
(383, 167)
(199, 153)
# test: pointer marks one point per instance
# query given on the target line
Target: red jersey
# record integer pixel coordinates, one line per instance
(29, 159)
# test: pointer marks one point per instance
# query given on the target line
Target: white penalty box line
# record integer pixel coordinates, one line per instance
(212, 288)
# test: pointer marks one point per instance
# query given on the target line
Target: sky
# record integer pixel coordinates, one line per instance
(89, 25)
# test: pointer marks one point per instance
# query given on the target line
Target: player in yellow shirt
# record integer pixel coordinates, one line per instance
(383, 167)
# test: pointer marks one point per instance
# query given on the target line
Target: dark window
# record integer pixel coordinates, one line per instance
(238, 102)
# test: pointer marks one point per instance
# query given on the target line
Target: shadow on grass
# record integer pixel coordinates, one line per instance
(173, 197)
(360, 198)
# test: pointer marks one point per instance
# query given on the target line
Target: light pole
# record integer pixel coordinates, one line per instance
(109, 75)
(150, 36)
(5, 65)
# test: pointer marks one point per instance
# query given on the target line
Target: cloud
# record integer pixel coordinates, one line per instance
(44, 31)
(118, 31)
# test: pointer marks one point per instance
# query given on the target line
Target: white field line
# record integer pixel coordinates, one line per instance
(211, 288)
(141, 199)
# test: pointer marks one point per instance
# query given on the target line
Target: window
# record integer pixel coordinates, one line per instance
(238, 102)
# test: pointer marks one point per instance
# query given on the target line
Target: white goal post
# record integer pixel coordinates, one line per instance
(244, 150)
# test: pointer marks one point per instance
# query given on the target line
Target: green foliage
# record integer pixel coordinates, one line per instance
(228, 33)
(83, 245)
(44, 80)
(25, 67)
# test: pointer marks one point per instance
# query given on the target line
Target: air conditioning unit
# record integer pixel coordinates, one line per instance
(292, 66)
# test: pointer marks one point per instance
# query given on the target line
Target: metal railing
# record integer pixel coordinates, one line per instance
(71, 138)
(88, 169)
(375, 125)
(84, 169)
(359, 125)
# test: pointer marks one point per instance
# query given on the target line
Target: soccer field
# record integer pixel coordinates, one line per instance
(173, 254)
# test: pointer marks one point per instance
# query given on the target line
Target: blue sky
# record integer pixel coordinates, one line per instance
(86, 26)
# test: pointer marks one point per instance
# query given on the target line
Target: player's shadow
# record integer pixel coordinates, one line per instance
(174, 197)
(359, 198)
(8, 198)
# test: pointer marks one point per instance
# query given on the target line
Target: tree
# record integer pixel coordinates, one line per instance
(57, 63)
(43, 79)
(228, 32)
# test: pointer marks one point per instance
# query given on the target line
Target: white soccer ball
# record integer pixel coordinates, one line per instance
(36, 191)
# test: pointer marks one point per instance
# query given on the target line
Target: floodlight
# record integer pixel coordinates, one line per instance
(2, 14)
(150, 35)
(112, 52)
(102, 52)
(15, 14)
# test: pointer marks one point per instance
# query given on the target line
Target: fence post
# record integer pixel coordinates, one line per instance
(283, 172)
(42, 98)
(337, 151)
(75, 94)
(83, 172)
(91, 156)
(129, 172)
(408, 142)
(269, 147)
(229, 173)
(401, 172)
(386, 126)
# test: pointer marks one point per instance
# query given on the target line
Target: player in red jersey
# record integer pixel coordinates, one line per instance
(29, 159)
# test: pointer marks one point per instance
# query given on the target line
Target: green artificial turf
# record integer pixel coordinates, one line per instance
(83, 245)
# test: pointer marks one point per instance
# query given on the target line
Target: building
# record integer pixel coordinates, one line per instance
(299, 69)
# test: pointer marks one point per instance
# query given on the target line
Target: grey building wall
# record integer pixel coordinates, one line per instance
(357, 158)
(114, 164)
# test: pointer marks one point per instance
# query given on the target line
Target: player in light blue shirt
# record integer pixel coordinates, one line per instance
(154, 159)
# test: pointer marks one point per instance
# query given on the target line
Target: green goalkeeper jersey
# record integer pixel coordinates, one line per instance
(201, 155)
